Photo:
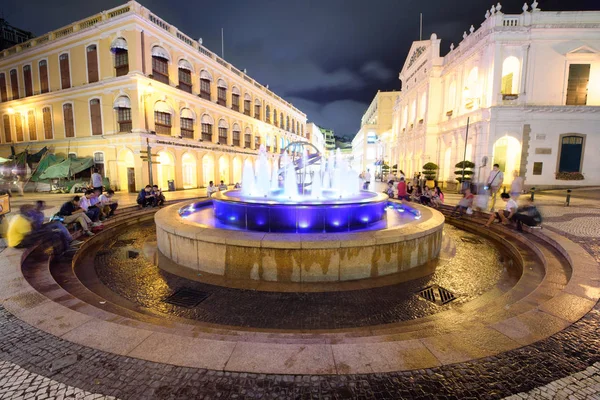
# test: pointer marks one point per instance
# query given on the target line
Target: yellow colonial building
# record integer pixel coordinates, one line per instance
(106, 86)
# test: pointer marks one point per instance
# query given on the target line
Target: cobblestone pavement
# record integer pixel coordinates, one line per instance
(568, 361)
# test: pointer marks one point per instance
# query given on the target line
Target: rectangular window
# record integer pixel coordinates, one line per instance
(65, 74)
(44, 87)
(257, 142)
(222, 96)
(507, 83)
(162, 122)
(92, 63)
(235, 102)
(185, 80)
(7, 133)
(96, 117)
(579, 77)
(207, 132)
(124, 119)
(14, 84)
(256, 111)
(68, 120)
(187, 128)
(31, 125)
(47, 120)
(160, 69)
(121, 62)
(19, 127)
(223, 135)
(28, 81)
(247, 107)
(205, 89)
(3, 92)
(537, 168)
(236, 138)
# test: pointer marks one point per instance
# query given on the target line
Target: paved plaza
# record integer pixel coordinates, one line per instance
(45, 356)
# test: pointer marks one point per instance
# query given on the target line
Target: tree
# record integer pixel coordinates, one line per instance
(430, 171)
(465, 168)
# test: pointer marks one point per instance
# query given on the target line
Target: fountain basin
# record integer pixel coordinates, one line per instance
(205, 246)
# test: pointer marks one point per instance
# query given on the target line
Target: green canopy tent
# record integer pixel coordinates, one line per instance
(3, 160)
(46, 162)
(67, 168)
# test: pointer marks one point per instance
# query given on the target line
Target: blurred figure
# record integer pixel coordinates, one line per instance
(528, 215)
(437, 199)
(402, 190)
(96, 180)
(211, 189)
(464, 204)
(222, 186)
(494, 183)
(390, 190)
(516, 187)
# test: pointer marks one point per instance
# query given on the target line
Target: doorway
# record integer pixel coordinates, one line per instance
(131, 180)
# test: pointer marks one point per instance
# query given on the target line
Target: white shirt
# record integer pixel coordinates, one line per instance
(211, 189)
(104, 200)
(496, 178)
(510, 205)
(368, 176)
(96, 179)
(84, 203)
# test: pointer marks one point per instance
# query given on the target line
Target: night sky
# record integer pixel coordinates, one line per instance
(327, 57)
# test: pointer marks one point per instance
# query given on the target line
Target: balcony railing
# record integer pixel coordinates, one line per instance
(207, 137)
(187, 133)
(125, 127)
(236, 142)
(162, 129)
(247, 144)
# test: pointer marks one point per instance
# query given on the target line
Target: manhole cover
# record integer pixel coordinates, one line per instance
(437, 295)
(123, 243)
(187, 298)
(471, 240)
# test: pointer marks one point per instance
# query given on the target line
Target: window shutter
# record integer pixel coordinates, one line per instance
(31, 125)
(65, 75)
(47, 119)
(7, 133)
(19, 127)
(3, 93)
(68, 117)
(92, 63)
(96, 117)
(44, 76)
(27, 79)
(14, 84)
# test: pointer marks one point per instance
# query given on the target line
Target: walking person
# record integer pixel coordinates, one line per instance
(71, 212)
(516, 187)
(367, 179)
(96, 180)
(494, 183)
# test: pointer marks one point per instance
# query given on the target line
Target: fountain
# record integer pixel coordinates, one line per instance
(307, 220)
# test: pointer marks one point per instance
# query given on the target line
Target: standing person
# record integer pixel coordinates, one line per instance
(71, 212)
(494, 183)
(146, 198)
(367, 179)
(90, 209)
(506, 215)
(464, 203)
(516, 187)
(96, 180)
(158, 195)
(528, 215)
(222, 186)
(211, 189)
(402, 192)
(107, 204)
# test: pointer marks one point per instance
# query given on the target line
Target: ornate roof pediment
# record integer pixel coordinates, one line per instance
(416, 55)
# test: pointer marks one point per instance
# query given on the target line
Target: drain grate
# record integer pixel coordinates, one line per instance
(187, 298)
(437, 295)
(123, 243)
(471, 240)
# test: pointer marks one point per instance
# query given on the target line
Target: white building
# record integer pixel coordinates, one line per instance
(315, 136)
(375, 141)
(529, 85)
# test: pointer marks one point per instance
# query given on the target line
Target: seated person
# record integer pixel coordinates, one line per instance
(85, 203)
(464, 203)
(426, 196)
(528, 215)
(222, 186)
(55, 229)
(107, 203)
(71, 212)
(437, 199)
(158, 194)
(506, 215)
(146, 198)
(390, 190)
(237, 185)
(211, 189)
(403, 193)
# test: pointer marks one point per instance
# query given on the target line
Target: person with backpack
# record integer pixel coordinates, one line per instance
(528, 215)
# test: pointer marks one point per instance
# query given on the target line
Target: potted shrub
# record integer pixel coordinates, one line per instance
(464, 169)
(430, 173)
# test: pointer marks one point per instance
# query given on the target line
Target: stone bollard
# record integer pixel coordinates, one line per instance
(568, 200)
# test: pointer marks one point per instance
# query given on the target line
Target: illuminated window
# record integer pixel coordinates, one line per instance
(577, 88)
(162, 123)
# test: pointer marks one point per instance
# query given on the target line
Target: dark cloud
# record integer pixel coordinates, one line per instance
(328, 57)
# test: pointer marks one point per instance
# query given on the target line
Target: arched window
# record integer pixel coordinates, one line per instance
(510, 77)
(185, 76)
(256, 142)
(43, 69)
(68, 120)
(96, 116)
(19, 127)
(222, 92)
(119, 49)
(47, 121)
(65, 71)
(268, 114)
(236, 133)
(257, 105)
(235, 99)
(302, 129)
(422, 107)
(571, 153)
(92, 63)
(274, 117)
(28, 81)
(187, 123)
(162, 118)
(223, 128)
(3, 92)
(205, 80)
(7, 132)
(160, 64)
(287, 123)
(451, 99)
(247, 138)
(14, 83)
(471, 89)
(207, 124)
(31, 125)
(247, 103)
(122, 106)
(281, 121)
